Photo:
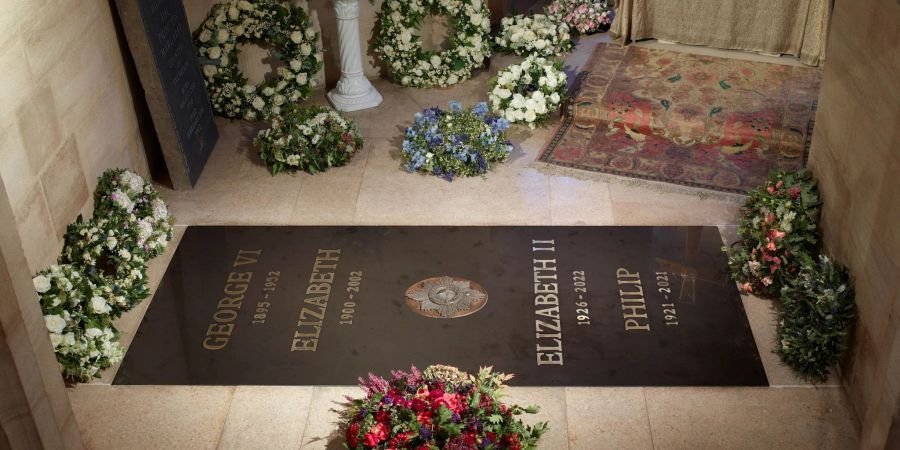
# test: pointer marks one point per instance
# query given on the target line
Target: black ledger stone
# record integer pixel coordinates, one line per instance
(210, 323)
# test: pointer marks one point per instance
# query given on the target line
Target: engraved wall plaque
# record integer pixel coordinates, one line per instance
(163, 51)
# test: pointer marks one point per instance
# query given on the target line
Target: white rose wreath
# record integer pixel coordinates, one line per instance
(528, 92)
(285, 28)
(401, 50)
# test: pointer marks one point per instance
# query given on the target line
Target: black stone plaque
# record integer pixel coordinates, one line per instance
(557, 306)
(160, 41)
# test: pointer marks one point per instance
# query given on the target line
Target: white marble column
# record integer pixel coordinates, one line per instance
(353, 91)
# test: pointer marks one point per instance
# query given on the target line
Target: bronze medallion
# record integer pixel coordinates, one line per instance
(446, 297)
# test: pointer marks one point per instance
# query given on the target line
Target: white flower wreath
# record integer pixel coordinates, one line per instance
(528, 92)
(539, 34)
(283, 26)
(401, 49)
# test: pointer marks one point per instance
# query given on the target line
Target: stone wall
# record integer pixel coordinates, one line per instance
(856, 156)
(66, 115)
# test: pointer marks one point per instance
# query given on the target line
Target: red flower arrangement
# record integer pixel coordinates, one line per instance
(777, 233)
(440, 408)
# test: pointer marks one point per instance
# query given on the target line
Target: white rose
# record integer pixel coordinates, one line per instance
(297, 37)
(540, 44)
(54, 323)
(518, 101)
(233, 13)
(405, 36)
(301, 78)
(55, 339)
(475, 19)
(305, 49)
(278, 100)
(222, 36)
(215, 53)
(258, 103)
(540, 107)
(296, 65)
(551, 82)
(435, 61)
(111, 242)
(268, 91)
(504, 93)
(99, 305)
(205, 36)
(69, 339)
(245, 5)
(93, 332)
(530, 116)
(554, 97)
(41, 283)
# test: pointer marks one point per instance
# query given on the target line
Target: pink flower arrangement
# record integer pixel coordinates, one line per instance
(583, 16)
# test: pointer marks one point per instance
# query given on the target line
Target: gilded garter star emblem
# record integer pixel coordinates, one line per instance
(446, 297)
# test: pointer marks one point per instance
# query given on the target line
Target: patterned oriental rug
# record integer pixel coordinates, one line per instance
(688, 119)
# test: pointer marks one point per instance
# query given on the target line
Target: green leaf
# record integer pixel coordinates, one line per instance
(715, 110)
(724, 84)
(675, 78)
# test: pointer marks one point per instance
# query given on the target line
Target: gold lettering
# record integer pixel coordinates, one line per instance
(318, 315)
(539, 329)
(319, 288)
(544, 264)
(235, 289)
(240, 277)
(552, 312)
(223, 329)
(216, 344)
(623, 273)
(242, 259)
(632, 324)
(549, 299)
(555, 358)
(316, 277)
(231, 302)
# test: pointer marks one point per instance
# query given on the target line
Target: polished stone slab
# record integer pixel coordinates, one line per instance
(557, 306)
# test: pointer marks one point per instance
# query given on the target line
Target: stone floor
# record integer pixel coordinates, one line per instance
(236, 189)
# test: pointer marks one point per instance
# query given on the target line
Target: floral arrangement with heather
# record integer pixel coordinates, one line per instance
(102, 272)
(583, 16)
(310, 139)
(285, 27)
(817, 310)
(438, 408)
(399, 46)
(777, 233)
(125, 198)
(458, 142)
(539, 34)
(77, 314)
(528, 92)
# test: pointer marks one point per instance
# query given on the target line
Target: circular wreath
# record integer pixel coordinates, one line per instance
(311, 139)
(108, 256)
(539, 35)
(133, 205)
(529, 91)
(401, 49)
(283, 26)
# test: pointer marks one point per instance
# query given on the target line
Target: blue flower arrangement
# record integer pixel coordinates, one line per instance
(458, 142)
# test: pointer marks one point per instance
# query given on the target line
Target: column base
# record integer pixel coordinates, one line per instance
(344, 102)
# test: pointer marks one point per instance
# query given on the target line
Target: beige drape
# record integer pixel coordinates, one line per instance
(792, 27)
